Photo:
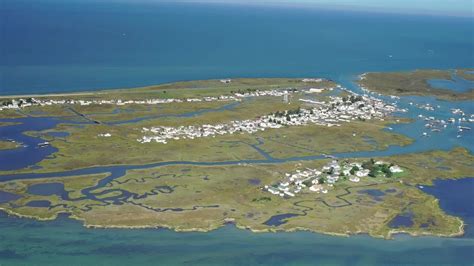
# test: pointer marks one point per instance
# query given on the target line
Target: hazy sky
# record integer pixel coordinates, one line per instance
(439, 7)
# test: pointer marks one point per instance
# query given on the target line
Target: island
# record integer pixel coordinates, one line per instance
(421, 83)
(269, 154)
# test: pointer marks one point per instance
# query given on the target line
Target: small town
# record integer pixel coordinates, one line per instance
(338, 110)
(235, 96)
(322, 180)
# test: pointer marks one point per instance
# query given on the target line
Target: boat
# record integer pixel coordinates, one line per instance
(43, 144)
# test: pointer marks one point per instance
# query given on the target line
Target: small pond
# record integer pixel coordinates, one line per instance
(279, 219)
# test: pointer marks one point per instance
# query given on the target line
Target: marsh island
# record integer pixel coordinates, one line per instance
(264, 154)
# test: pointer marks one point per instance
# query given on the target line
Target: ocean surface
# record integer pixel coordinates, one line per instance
(62, 46)
(58, 46)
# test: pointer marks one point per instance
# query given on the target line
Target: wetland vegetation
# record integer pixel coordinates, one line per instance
(416, 83)
(97, 171)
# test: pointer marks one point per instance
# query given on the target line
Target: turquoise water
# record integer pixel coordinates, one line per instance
(82, 45)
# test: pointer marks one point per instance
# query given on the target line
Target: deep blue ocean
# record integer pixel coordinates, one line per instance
(56, 45)
(71, 45)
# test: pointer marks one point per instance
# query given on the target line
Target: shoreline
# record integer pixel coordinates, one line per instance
(427, 90)
(389, 236)
(117, 90)
(358, 75)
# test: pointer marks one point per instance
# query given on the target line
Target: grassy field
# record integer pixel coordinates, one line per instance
(201, 198)
(412, 83)
(185, 89)
(467, 74)
(7, 145)
(84, 148)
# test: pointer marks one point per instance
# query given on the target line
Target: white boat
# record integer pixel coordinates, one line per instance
(43, 144)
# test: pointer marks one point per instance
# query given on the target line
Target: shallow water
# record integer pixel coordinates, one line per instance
(279, 219)
(47, 189)
(456, 197)
(457, 84)
(39, 204)
(7, 196)
(402, 220)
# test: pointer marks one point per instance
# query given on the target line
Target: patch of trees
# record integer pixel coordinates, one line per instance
(6, 103)
(240, 91)
(354, 169)
(308, 183)
(261, 199)
(286, 114)
(374, 169)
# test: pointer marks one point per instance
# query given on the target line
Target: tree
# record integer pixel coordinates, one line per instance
(288, 118)
(321, 180)
(331, 171)
(373, 173)
(308, 183)
(368, 165)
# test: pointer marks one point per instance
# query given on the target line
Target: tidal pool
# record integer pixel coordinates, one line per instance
(39, 203)
(279, 219)
(47, 189)
(7, 196)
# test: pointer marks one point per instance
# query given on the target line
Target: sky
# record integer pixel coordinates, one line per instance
(462, 8)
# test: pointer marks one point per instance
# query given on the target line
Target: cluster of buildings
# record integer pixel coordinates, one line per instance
(338, 110)
(237, 96)
(306, 80)
(162, 134)
(322, 180)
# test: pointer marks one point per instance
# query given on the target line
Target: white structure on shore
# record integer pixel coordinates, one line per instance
(333, 113)
(237, 96)
(322, 180)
